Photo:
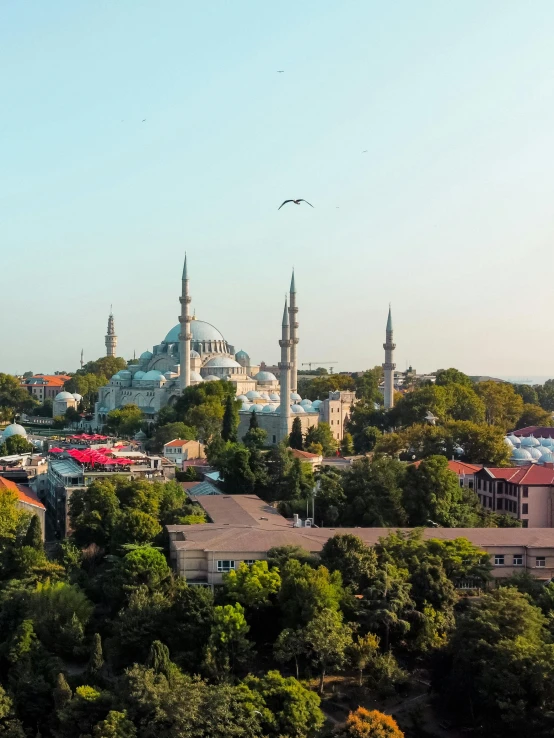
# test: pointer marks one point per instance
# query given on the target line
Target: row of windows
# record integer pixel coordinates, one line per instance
(227, 565)
(517, 560)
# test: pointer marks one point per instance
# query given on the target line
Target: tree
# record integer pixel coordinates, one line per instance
(363, 650)
(347, 445)
(253, 422)
(10, 727)
(289, 646)
(463, 403)
(296, 439)
(322, 435)
(125, 421)
(135, 526)
(367, 385)
(306, 591)
(14, 398)
(228, 648)
(17, 445)
(93, 512)
(503, 407)
(81, 714)
(328, 640)
(33, 536)
(364, 723)
(294, 710)
(320, 386)
(348, 554)
(534, 415)
(234, 469)
(444, 377)
(414, 406)
(252, 586)
(158, 658)
(13, 520)
(255, 437)
(387, 602)
(374, 493)
(143, 565)
(166, 433)
(96, 660)
(230, 420)
(115, 725)
(62, 692)
(545, 395)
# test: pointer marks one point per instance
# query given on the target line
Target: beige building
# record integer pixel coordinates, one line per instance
(45, 386)
(244, 528)
(335, 410)
(179, 452)
(27, 500)
(523, 492)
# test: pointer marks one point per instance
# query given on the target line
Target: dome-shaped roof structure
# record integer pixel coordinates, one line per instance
(515, 440)
(241, 355)
(200, 330)
(139, 375)
(222, 361)
(274, 396)
(268, 408)
(194, 354)
(170, 375)
(253, 395)
(64, 396)
(521, 454)
(316, 404)
(146, 355)
(508, 442)
(535, 452)
(295, 396)
(14, 430)
(153, 376)
(246, 406)
(264, 395)
(528, 441)
(298, 409)
(547, 457)
(547, 442)
(242, 398)
(196, 377)
(125, 374)
(77, 397)
(211, 378)
(306, 403)
(257, 408)
(265, 377)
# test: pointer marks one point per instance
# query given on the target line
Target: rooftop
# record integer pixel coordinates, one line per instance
(459, 467)
(177, 443)
(241, 510)
(304, 455)
(530, 475)
(25, 494)
(48, 380)
(535, 430)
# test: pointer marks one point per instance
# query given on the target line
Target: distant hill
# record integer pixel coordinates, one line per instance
(488, 379)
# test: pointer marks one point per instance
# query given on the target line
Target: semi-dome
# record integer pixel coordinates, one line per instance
(295, 396)
(253, 395)
(265, 377)
(547, 442)
(139, 375)
(194, 354)
(297, 409)
(521, 454)
(211, 378)
(64, 396)
(14, 430)
(200, 330)
(547, 457)
(222, 361)
(146, 355)
(241, 355)
(153, 376)
(196, 377)
(264, 395)
(535, 452)
(77, 397)
(316, 404)
(274, 396)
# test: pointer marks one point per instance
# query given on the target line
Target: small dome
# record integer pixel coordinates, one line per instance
(15, 430)
(253, 395)
(514, 440)
(521, 454)
(257, 408)
(140, 436)
(298, 409)
(547, 442)
(264, 395)
(274, 396)
(316, 404)
(246, 406)
(242, 398)
(535, 452)
(508, 442)
(125, 374)
(269, 408)
(196, 377)
(547, 457)
(222, 361)
(265, 377)
(528, 441)
(241, 355)
(138, 375)
(146, 355)
(295, 396)
(306, 403)
(194, 354)
(170, 375)
(77, 397)
(153, 376)
(211, 378)
(64, 396)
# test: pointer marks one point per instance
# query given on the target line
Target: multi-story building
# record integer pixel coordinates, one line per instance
(335, 410)
(179, 452)
(45, 386)
(26, 499)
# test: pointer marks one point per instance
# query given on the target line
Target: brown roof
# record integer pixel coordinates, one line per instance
(535, 430)
(178, 443)
(459, 467)
(306, 455)
(49, 380)
(25, 494)
(539, 475)
(240, 510)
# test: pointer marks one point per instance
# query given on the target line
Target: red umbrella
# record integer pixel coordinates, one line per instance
(56, 450)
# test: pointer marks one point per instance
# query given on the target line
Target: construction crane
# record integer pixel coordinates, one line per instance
(330, 364)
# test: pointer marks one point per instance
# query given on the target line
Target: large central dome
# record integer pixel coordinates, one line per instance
(201, 331)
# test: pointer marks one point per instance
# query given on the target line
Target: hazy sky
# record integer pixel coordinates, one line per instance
(449, 215)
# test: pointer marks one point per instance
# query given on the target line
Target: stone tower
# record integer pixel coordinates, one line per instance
(284, 374)
(185, 334)
(111, 338)
(293, 310)
(389, 366)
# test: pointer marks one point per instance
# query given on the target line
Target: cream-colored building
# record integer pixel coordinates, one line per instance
(244, 528)
(179, 451)
(63, 401)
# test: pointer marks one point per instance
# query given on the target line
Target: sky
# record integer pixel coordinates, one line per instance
(448, 214)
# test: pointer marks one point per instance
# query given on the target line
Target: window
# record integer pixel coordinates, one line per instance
(478, 484)
(499, 559)
(540, 561)
(249, 562)
(525, 509)
(525, 523)
(461, 482)
(471, 483)
(526, 491)
(500, 488)
(518, 560)
(223, 566)
(499, 504)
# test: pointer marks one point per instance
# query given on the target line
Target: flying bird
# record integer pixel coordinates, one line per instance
(364, 151)
(144, 121)
(280, 71)
(296, 202)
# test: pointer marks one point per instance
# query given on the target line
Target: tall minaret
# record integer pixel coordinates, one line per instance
(284, 374)
(185, 334)
(293, 337)
(82, 358)
(111, 338)
(389, 366)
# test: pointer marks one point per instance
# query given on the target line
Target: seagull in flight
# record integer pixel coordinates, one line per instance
(296, 202)
(280, 71)
(144, 121)
(364, 151)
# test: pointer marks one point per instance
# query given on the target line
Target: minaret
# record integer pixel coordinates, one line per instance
(185, 334)
(111, 338)
(389, 366)
(82, 359)
(284, 374)
(293, 337)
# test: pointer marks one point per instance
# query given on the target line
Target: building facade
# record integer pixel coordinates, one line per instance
(45, 386)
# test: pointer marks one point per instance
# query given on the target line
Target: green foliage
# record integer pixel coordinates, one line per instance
(446, 377)
(14, 398)
(10, 727)
(125, 421)
(319, 387)
(228, 649)
(96, 660)
(33, 536)
(356, 562)
(16, 445)
(255, 437)
(93, 512)
(158, 659)
(328, 640)
(230, 420)
(305, 592)
(145, 566)
(322, 435)
(60, 612)
(534, 415)
(169, 432)
(115, 725)
(388, 604)
(135, 526)
(252, 586)
(13, 520)
(374, 493)
(62, 692)
(347, 445)
(503, 406)
(296, 438)
(367, 385)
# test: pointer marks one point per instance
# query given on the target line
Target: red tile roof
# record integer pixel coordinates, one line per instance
(536, 430)
(50, 380)
(177, 443)
(529, 475)
(459, 467)
(25, 494)
(306, 455)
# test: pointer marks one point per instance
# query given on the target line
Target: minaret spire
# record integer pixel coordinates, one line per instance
(82, 359)
(111, 338)
(389, 366)
(185, 334)
(293, 310)
(284, 375)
